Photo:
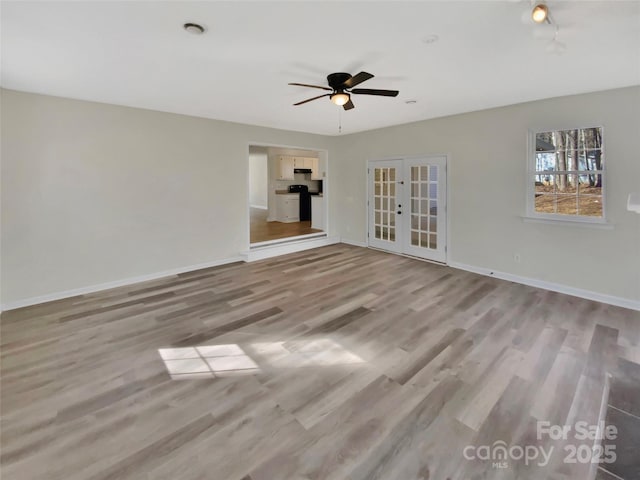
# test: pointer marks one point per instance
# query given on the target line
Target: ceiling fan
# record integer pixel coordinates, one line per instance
(341, 88)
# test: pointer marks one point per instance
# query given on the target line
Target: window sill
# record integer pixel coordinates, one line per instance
(568, 223)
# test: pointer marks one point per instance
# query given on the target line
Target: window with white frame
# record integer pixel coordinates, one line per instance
(566, 174)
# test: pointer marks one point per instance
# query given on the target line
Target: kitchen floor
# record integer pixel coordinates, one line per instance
(263, 231)
(339, 363)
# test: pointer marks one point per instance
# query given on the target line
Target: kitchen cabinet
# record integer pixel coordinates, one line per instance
(288, 207)
(316, 174)
(286, 166)
(303, 162)
(317, 212)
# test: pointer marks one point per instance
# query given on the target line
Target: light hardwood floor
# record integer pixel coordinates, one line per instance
(336, 363)
(263, 231)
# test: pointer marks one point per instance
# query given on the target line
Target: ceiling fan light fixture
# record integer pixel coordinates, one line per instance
(340, 98)
(540, 13)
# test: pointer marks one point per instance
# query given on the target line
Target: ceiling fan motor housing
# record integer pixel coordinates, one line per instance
(336, 80)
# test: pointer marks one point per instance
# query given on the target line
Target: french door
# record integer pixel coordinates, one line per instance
(407, 206)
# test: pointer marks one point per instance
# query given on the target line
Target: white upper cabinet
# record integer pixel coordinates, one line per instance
(316, 174)
(303, 162)
(285, 172)
(287, 164)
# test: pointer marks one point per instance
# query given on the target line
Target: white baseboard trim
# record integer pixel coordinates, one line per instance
(261, 207)
(354, 243)
(269, 251)
(554, 287)
(27, 302)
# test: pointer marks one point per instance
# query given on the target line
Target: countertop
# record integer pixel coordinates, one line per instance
(287, 192)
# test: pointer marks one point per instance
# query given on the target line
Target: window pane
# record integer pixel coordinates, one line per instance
(433, 224)
(414, 190)
(567, 204)
(544, 184)
(415, 238)
(546, 203)
(424, 223)
(424, 174)
(545, 142)
(572, 183)
(434, 208)
(545, 162)
(433, 173)
(415, 174)
(392, 174)
(415, 222)
(590, 206)
(377, 218)
(591, 184)
(424, 240)
(433, 243)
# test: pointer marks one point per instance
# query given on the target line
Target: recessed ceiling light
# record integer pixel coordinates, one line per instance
(410, 102)
(429, 39)
(194, 28)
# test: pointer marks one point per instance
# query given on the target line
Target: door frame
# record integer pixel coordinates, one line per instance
(325, 193)
(372, 161)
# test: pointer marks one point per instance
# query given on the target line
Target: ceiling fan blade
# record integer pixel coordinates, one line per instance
(311, 99)
(312, 86)
(349, 105)
(357, 79)
(373, 91)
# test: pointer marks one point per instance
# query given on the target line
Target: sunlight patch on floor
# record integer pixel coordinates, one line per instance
(207, 361)
(210, 361)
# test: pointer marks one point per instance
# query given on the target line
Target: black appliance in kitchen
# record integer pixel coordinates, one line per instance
(305, 201)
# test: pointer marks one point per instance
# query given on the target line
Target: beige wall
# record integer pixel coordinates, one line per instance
(487, 189)
(258, 177)
(95, 193)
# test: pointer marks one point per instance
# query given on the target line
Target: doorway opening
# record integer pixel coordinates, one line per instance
(286, 194)
(407, 206)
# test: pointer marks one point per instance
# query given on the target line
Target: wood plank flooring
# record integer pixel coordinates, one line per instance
(263, 231)
(336, 363)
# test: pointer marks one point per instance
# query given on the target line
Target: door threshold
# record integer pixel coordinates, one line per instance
(428, 260)
(285, 240)
(297, 244)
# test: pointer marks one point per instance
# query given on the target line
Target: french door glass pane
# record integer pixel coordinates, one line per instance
(384, 203)
(424, 207)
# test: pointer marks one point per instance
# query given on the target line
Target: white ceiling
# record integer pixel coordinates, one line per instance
(137, 54)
